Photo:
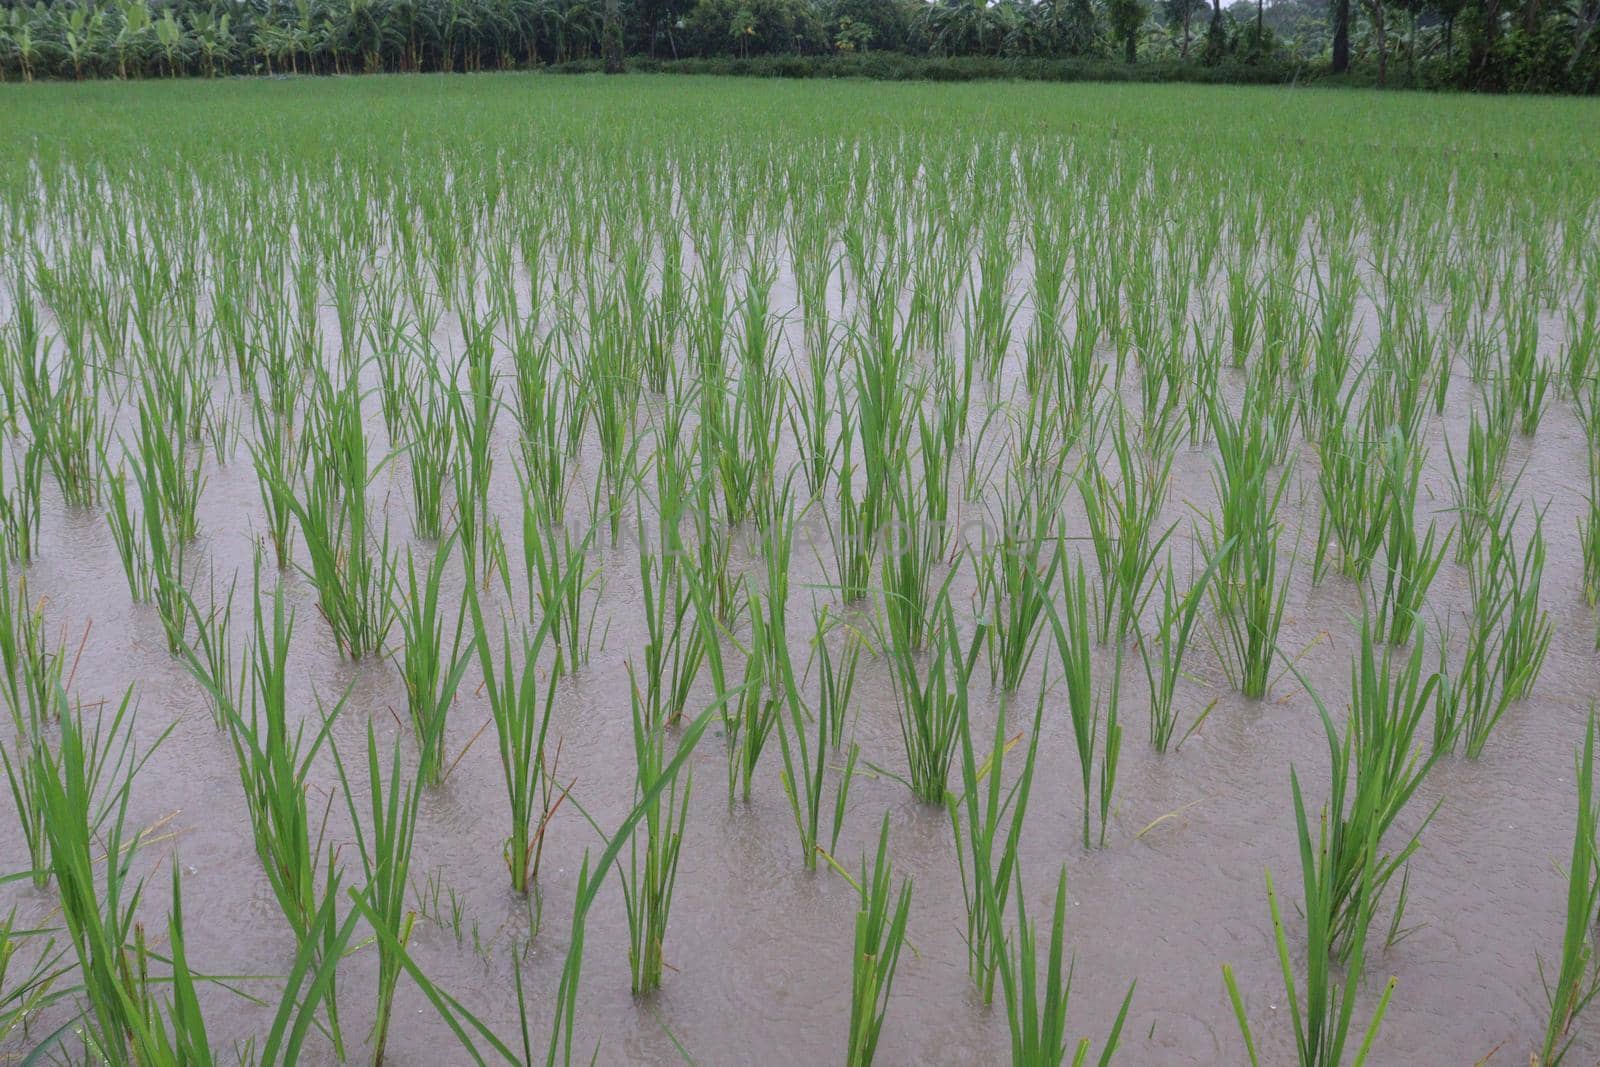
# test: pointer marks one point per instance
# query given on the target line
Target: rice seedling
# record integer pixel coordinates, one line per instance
(520, 703)
(27, 990)
(1124, 529)
(1410, 562)
(384, 842)
(930, 696)
(836, 679)
(430, 427)
(880, 932)
(86, 787)
(1355, 506)
(985, 877)
(1163, 650)
(805, 763)
(1036, 1008)
(1575, 981)
(353, 580)
(20, 506)
(432, 671)
(1072, 633)
(647, 888)
(1480, 499)
(560, 581)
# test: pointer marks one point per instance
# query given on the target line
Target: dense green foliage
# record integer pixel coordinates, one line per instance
(1521, 45)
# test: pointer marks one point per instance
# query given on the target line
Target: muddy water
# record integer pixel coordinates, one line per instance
(758, 948)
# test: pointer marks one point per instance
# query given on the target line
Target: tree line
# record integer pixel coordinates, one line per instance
(1503, 45)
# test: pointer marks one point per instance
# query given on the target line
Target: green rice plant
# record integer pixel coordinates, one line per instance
(1036, 1009)
(855, 536)
(1250, 602)
(880, 932)
(1479, 498)
(86, 788)
(805, 764)
(1015, 578)
(431, 670)
(1163, 651)
(1576, 981)
(748, 723)
(1073, 644)
(810, 412)
(1410, 562)
(647, 889)
(474, 412)
(997, 823)
(674, 651)
(166, 471)
(521, 709)
(1580, 358)
(930, 692)
(1525, 627)
(430, 427)
(276, 457)
(560, 581)
(68, 424)
(127, 534)
(1322, 1025)
(910, 554)
(383, 842)
(1379, 766)
(836, 679)
(353, 581)
(210, 657)
(1589, 529)
(1355, 508)
(1124, 528)
(168, 586)
(20, 505)
(1523, 374)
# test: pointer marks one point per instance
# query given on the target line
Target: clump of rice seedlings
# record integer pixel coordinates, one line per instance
(167, 474)
(810, 414)
(1247, 593)
(353, 581)
(805, 761)
(127, 534)
(748, 722)
(987, 840)
(430, 427)
(1379, 766)
(1507, 639)
(1580, 358)
(855, 535)
(1015, 577)
(1163, 650)
(211, 656)
(647, 889)
(276, 457)
(1355, 508)
(1479, 498)
(1576, 981)
(1410, 562)
(880, 932)
(432, 671)
(836, 679)
(1523, 375)
(19, 505)
(474, 411)
(560, 581)
(383, 842)
(674, 651)
(67, 421)
(1124, 528)
(930, 692)
(910, 554)
(87, 784)
(168, 587)
(1589, 529)
(1036, 1008)
(521, 710)
(1322, 1025)
(1073, 644)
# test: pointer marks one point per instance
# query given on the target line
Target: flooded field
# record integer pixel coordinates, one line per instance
(549, 568)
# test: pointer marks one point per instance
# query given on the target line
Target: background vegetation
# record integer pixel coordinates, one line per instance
(1502, 45)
